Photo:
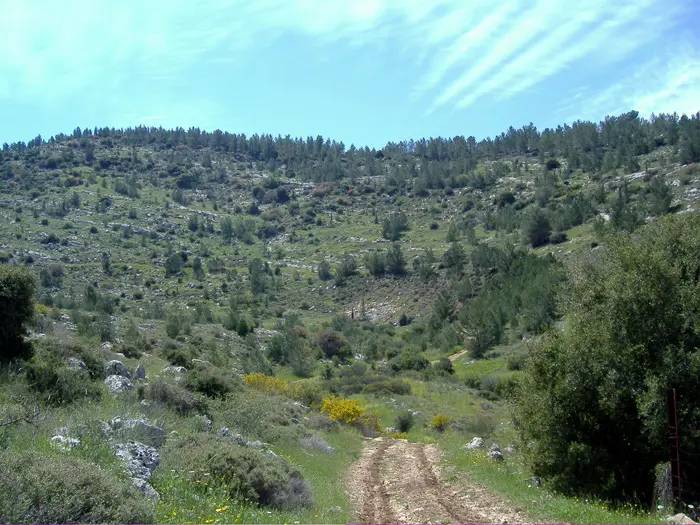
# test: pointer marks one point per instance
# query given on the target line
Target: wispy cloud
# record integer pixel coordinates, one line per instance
(466, 52)
(657, 85)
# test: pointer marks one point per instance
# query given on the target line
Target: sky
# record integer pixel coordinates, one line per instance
(364, 72)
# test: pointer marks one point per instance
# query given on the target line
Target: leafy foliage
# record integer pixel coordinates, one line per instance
(592, 407)
(17, 286)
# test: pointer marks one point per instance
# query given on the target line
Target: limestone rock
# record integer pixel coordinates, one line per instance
(118, 384)
(117, 368)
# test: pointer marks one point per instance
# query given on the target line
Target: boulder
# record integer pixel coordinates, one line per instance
(117, 368)
(138, 429)
(680, 519)
(205, 423)
(475, 443)
(139, 460)
(118, 384)
(140, 372)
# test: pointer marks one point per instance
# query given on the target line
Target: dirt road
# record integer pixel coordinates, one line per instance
(395, 481)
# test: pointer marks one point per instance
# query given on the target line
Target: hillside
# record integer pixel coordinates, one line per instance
(339, 270)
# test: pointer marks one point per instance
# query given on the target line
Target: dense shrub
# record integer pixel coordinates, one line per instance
(333, 343)
(404, 422)
(340, 409)
(247, 473)
(175, 397)
(591, 410)
(36, 488)
(210, 381)
(17, 287)
(409, 361)
(48, 374)
(440, 422)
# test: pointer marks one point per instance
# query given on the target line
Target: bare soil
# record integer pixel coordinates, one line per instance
(395, 481)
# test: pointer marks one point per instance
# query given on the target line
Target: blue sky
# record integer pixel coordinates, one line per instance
(363, 71)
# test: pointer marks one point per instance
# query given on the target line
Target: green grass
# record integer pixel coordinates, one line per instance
(181, 503)
(508, 478)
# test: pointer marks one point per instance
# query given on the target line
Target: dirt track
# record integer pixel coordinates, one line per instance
(395, 481)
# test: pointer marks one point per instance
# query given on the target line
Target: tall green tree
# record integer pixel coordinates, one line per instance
(17, 287)
(591, 409)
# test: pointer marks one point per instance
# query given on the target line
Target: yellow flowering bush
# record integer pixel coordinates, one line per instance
(342, 409)
(265, 383)
(440, 422)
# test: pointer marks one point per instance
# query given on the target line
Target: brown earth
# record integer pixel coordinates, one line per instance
(395, 481)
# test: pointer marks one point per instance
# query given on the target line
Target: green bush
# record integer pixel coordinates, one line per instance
(247, 473)
(404, 422)
(210, 381)
(37, 488)
(17, 287)
(591, 411)
(178, 356)
(58, 383)
(388, 386)
(333, 343)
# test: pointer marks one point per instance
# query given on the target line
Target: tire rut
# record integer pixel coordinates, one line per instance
(395, 481)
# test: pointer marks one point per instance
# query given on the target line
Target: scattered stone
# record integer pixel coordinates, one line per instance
(391, 430)
(475, 443)
(118, 384)
(534, 481)
(509, 449)
(64, 443)
(255, 444)
(205, 423)
(76, 364)
(140, 372)
(174, 370)
(334, 509)
(117, 368)
(495, 453)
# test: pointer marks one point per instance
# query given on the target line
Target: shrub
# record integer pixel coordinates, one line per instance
(315, 442)
(246, 473)
(17, 287)
(341, 409)
(210, 381)
(59, 384)
(444, 365)
(536, 228)
(388, 386)
(404, 422)
(266, 383)
(333, 343)
(177, 356)
(158, 390)
(35, 488)
(440, 422)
